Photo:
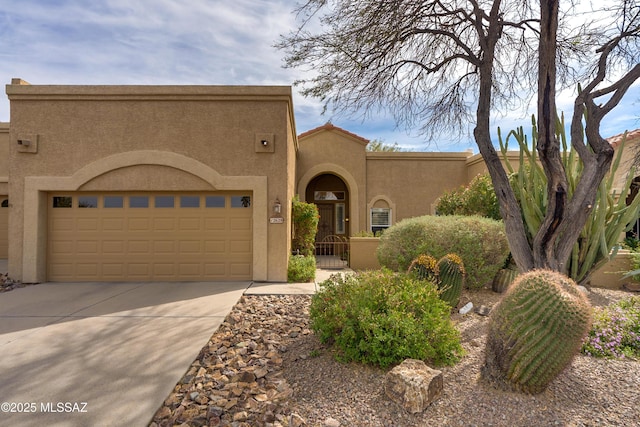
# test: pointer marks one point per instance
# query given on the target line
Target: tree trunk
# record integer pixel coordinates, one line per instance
(544, 243)
(509, 206)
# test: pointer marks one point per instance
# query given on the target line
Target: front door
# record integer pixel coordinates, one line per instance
(326, 224)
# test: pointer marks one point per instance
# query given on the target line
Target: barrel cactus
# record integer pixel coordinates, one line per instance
(447, 273)
(451, 274)
(535, 331)
(424, 267)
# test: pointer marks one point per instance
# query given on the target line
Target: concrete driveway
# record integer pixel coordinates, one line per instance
(101, 354)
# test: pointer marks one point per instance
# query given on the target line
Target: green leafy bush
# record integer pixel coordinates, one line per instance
(382, 317)
(480, 242)
(305, 226)
(615, 331)
(478, 198)
(301, 268)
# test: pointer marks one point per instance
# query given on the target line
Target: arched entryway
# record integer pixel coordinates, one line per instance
(330, 193)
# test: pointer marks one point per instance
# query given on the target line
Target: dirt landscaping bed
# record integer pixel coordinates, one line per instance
(265, 367)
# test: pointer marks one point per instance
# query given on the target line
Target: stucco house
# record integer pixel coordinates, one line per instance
(189, 183)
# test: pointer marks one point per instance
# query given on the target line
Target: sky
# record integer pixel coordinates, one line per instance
(196, 42)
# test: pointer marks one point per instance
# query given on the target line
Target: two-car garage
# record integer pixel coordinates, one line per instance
(149, 236)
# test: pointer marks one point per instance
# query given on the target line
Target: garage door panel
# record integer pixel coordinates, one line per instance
(164, 247)
(138, 224)
(204, 239)
(138, 247)
(112, 224)
(112, 247)
(87, 247)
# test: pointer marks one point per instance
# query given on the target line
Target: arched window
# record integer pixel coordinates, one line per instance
(5, 203)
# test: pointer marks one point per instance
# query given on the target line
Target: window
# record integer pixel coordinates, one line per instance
(138, 202)
(240, 201)
(340, 218)
(380, 219)
(113, 201)
(328, 195)
(62, 201)
(215, 202)
(5, 203)
(164, 201)
(189, 201)
(88, 202)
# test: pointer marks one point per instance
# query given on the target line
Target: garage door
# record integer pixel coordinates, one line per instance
(149, 237)
(4, 227)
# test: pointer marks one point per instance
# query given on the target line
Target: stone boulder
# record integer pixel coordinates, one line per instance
(413, 385)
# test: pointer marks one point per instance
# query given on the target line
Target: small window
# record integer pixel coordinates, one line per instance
(113, 201)
(240, 201)
(380, 219)
(164, 201)
(5, 203)
(215, 201)
(328, 195)
(62, 201)
(87, 202)
(138, 202)
(189, 201)
(340, 218)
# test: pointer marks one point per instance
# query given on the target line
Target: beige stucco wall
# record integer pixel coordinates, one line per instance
(149, 138)
(410, 183)
(4, 158)
(334, 151)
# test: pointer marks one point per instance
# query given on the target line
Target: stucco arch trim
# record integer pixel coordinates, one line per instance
(35, 202)
(352, 185)
(389, 203)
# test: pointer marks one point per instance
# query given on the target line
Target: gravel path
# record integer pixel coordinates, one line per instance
(264, 367)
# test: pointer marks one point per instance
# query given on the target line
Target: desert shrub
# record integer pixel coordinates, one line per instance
(480, 242)
(615, 331)
(382, 317)
(478, 198)
(301, 268)
(305, 226)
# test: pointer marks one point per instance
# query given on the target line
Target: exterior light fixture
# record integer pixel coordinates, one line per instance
(277, 207)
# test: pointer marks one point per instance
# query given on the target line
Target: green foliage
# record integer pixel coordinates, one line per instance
(301, 268)
(448, 274)
(535, 331)
(480, 242)
(379, 146)
(616, 331)
(478, 198)
(610, 216)
(381, 317)
(305, 226)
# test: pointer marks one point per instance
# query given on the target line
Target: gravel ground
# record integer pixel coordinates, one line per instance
(304, 385)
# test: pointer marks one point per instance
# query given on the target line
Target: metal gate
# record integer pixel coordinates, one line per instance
(332, 252)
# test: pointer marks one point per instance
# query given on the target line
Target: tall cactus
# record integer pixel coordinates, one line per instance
(609, 217)
(535, 331)
(448, 274)
(451, 274)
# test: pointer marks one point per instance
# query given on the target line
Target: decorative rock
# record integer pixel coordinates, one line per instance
(413, 385)
(296, 420)
(331, 422)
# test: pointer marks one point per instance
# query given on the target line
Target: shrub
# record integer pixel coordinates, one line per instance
(535, 331)
(478, 198)
(382, 317)
(615, 331)
(305, 226)
(480, 242)
(301, 268)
